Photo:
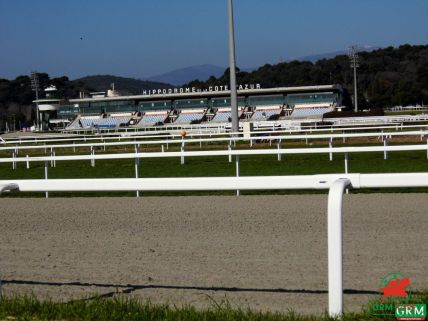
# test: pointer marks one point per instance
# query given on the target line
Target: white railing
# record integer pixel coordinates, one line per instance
(229, 152)
(136, 156)
(384, 136)
(336, 183)
(191, 134)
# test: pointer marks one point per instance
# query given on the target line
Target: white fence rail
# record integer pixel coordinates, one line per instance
(385, 136)
(170, 134)
(336, 183)
(229, 152)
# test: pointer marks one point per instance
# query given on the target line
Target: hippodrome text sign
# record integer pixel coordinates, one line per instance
(187, 90)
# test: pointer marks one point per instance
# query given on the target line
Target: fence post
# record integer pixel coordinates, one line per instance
(13, 162)
(93, 154)
(237, 171)
(28, 163)
(279, 154)
(385, 152)
(46, 177)
(335, 247)
(182, 153)
(136, 164)
(346, 163)
(330, 145)
(346, 168)
(230, 155)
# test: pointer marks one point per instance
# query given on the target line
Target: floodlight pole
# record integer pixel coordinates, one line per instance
(35, 87)
(355, 88)
(353, 55)
(232, 67)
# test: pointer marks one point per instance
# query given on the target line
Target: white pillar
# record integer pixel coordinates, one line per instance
(237, 171)
(335, 247)
(46, 177)
(385, 152)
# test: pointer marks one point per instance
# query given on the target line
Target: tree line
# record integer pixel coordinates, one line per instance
(16, 96)
(386, 77)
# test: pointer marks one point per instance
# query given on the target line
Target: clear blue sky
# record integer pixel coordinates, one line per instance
(142, 38)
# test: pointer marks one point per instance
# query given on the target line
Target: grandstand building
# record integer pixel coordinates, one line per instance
(185, 106)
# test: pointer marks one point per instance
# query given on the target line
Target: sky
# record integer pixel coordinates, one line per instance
(143, 38)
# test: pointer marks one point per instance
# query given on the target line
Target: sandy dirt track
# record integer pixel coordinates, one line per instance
(262, 252)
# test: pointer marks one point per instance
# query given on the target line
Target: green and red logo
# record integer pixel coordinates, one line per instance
(411, 311)
(395, 292)
(395, 286)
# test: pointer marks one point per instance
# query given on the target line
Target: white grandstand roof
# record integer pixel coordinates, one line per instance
(206, 94)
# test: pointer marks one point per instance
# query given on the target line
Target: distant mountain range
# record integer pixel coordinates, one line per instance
(185, 75)
(125, 86)
(181, 76)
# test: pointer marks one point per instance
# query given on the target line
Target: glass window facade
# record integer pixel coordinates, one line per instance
(225, 102)
(191, 103)
(266, 100)
(312, 98)
(68, 111)
(154, 105)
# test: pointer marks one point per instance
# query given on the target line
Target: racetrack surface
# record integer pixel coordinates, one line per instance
(262, 252)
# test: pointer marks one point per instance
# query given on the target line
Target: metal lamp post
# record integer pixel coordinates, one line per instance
(353, 55)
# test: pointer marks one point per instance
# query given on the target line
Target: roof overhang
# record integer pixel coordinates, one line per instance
(211, 94)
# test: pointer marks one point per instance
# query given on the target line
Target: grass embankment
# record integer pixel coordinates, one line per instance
(120, 308)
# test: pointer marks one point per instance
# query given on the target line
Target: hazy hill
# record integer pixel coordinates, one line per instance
(125, 86)
(330, 55)
(184, 75)
(386, 77)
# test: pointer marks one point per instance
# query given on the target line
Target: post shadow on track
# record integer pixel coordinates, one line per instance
(129, 288)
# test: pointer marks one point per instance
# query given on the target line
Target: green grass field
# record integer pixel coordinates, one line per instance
(263, 165)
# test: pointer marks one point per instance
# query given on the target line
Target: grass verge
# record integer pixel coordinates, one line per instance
(120, 308)
(263, 165)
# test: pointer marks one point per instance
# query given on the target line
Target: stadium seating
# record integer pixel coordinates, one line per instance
(187, 117)
(222, 117)
(89, 122)
(264, 114)
(112, 121)
(152, 119)
(311, 110)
